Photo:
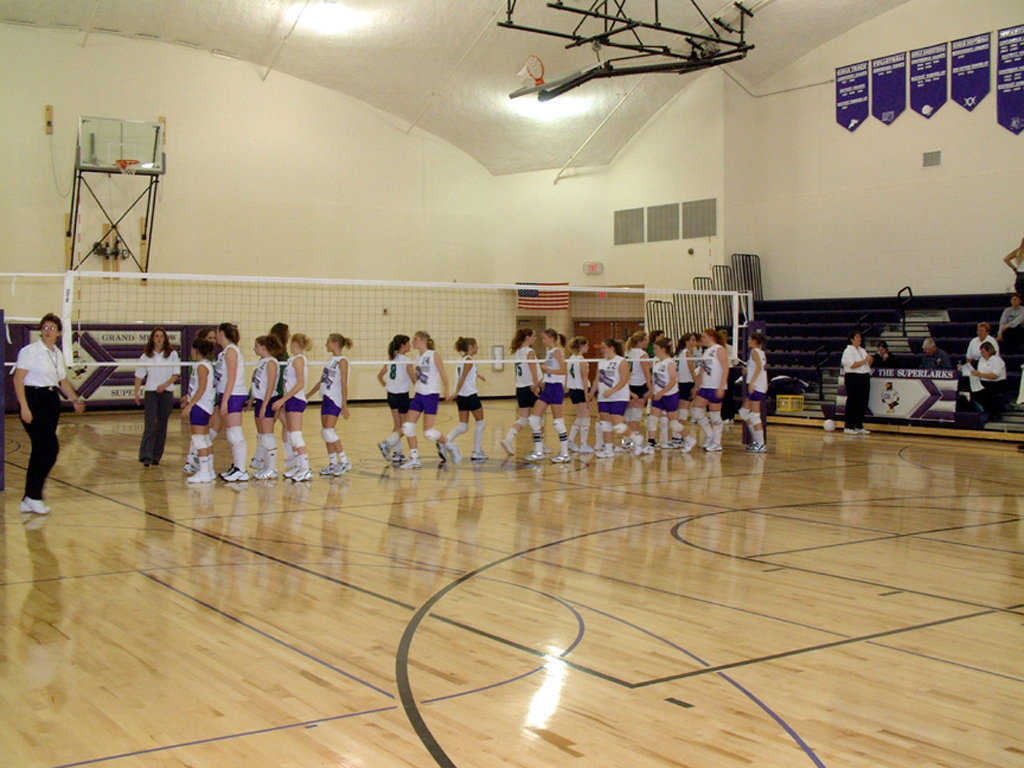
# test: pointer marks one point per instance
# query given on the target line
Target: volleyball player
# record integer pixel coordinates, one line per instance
(577, 380)
(687, 367)
(198, 407)
(192, 460)
(293, 405)
(267, 388)
(711, 395)
(756, 391)
(234, 392)
(613, 395)
(334, 393)
(527, 383)
(639, 388)
(553, 394)
(665, 394)
(430, 377)
(467, 397)
(396, 376)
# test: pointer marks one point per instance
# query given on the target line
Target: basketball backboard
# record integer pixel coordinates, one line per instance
(102, 141)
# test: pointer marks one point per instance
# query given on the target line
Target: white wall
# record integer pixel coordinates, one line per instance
(834, 213)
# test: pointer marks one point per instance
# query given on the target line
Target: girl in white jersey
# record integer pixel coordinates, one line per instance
(553, 394)
(578, 379)
(714, 369)
(333, 388)
(527, 383)
(267, 388)
(430, 377)
(640, 390)
(234, 392)
(192, 460)
(198, 406)
(688, 368)
(755, 394)
(293, 404)
(665, 394)
(396, 376)
(467, 396)
(612, 389)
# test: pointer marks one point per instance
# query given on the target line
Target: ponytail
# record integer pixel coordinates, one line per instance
(343, 342)
(396, 343)
(426, 337)
(463, 343)
(614, 344)
(522, 334)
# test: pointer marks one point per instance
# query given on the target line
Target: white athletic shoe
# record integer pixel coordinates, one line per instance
(301, 475)
(535, 456)
(586, 449)
(757, 448)
(257, 463)
(341, 468)
(478, 456)
(397, 457)
(35, 506)
(202, 477)
(509, 446)
(689, 444)
(234, 475)
(713, 448)
(413, 463)
(851, 431)
(327, 471)
(190, 467)
(454, 452)
(385, 449)
(864, 431)
(266, 474)
(561, 458)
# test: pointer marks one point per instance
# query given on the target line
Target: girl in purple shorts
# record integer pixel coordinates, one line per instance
(714, 369)
(333, 389)
(431, 376)
(197, 406)
(611, 388)
(293, 404)
(267, 388)
(234, 392)
(756, 392)
(665, 400)
(554, 371)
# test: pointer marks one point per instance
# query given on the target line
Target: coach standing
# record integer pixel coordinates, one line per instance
(37, 375)
(857, 378)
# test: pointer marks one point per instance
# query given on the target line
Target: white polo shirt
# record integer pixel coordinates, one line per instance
(156, 370)
(45, 366)
(995, 364)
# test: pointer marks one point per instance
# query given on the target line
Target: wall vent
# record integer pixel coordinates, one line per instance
(700, 218)
(663, 222)
(930, 159)
(629, 226)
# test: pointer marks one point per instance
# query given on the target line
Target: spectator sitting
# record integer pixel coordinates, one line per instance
(974, 348)
(1011, 326)
(933, 358)
(991, 372)
(886, 359)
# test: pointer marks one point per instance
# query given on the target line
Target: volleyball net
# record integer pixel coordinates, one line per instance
(106, 314)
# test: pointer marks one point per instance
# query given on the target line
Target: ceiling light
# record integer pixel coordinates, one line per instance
(549, 111)
(329, 18)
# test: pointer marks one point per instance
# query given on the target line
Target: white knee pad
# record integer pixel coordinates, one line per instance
(560, 426)
(743, 413)
(329, 436)
(676, 427)
(634, 414)
(432, 435)
(296, 439)
(199, 442)
(700, 415)
(716, 417)
(652, 423)
(619, 429)
(604, 426)
(582, 421)
(268, 441)
(235, 435)
(536, 423)
(521, 422)
(408, 429)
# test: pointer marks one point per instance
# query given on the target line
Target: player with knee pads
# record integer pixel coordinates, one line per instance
(527, 383)
(611, 389)
(552, 396)
(467, 397)
(576, 381)
(708, 403)
(756, 392)
(229, 373)
(430, 376)
(396, 376)
(688, 370)
(640, 391)
(293, 404)
(267, 388)
(665, 401)
(198, 407)
(334, 394)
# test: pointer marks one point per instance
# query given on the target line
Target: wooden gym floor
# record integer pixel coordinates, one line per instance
(851, 602)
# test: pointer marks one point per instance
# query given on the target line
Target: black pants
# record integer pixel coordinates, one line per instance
(158, 410)
(45, 407)
(1013, 341)
(991, 397)
(858, 385)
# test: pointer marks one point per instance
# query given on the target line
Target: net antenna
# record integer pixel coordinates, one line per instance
(648, 45)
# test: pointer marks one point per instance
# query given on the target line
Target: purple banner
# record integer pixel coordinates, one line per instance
(929, 73)
(889, 87)
(1010, 79)
(970, 69)
(852, 95)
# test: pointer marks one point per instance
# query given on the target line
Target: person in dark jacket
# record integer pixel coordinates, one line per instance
(933, 358)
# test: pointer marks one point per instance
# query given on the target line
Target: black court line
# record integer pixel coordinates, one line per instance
(679, 702)
(949, 472)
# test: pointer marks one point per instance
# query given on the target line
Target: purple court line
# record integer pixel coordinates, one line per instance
(212, 739)
(768, 710)
(269, 636)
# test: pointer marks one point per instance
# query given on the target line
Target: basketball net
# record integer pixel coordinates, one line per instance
(533, 69)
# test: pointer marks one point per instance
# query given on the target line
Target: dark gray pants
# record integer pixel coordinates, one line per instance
(158, 410)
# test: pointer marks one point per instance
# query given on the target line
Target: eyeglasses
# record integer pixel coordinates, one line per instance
(49, 328)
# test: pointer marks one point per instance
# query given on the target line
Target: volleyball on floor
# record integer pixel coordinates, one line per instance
(829, 425)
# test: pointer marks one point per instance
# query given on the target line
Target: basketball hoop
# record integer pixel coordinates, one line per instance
(128, 165)
(533, 69)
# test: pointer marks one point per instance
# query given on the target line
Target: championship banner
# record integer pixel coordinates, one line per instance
(910, 394)
(852, 95)
(889, 87)
(1010, 79)
(970, 69)
(929, 73)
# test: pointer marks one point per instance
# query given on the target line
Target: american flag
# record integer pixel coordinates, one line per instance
(531, 297)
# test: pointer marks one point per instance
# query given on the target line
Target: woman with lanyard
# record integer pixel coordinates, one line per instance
(37, 375)
(857, 378)
(158, 373)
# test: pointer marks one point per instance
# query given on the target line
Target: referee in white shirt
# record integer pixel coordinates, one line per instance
(37, 375)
